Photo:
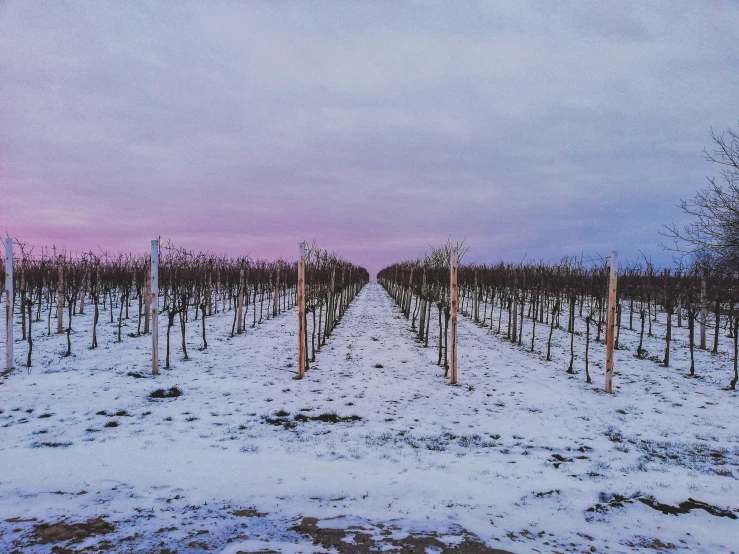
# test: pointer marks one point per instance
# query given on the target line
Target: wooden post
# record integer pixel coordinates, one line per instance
(210, 292)
(218, 288)
(9, 304)
(85, 280)
(23, 301)
(301, 311)
(453, 302)
(276, 303)
(514, 314)
(409, 296)
(154, 307)
(475, 302)
(60, 296)
(240, 307)
(332, 303)
(611, 325)
(704, 313)
(147, 297)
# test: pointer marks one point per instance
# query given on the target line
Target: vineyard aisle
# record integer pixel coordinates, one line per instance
(373, 446)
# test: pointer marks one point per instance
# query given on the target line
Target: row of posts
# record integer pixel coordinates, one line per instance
(610, 332)
(153, 296)
(610, 329)
(154, 302)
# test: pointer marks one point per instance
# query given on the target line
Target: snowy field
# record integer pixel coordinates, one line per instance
(519, 457)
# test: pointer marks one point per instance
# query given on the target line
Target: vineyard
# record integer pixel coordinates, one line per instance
(295, 406)
(511, 300)
(189, 287)
(369, 277)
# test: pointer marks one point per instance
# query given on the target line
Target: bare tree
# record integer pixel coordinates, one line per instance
(715, 208)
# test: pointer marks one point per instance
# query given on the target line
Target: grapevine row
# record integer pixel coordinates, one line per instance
(539, 298)
(59, 286)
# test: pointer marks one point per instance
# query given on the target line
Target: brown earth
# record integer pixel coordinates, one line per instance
(362, 542)
(62, 531)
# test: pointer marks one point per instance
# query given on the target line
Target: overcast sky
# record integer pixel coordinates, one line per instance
(530, 129)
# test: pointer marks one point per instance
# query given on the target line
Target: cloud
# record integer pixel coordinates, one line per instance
(377, 128)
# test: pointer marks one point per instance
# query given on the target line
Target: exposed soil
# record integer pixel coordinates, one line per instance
(686, 506)
(249, 512)
(62, 531)
(330, 417)
(173, 392)
(357, 540)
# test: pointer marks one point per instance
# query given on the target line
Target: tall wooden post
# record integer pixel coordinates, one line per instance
(9, 304)
(85, 280)
(453, 302)
(240, 307)
(210, 292)
(301, 311)
(60, 296)
(218, 288)
(276, 303)
(409, 296)
(611, 325)
(476, 302)
(704, 313)
(147, 297)
(154, 307)
(514, 314)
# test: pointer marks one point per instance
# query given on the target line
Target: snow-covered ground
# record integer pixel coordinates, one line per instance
(520, 456)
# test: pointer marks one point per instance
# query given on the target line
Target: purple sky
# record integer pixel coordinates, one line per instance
(376, 128)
